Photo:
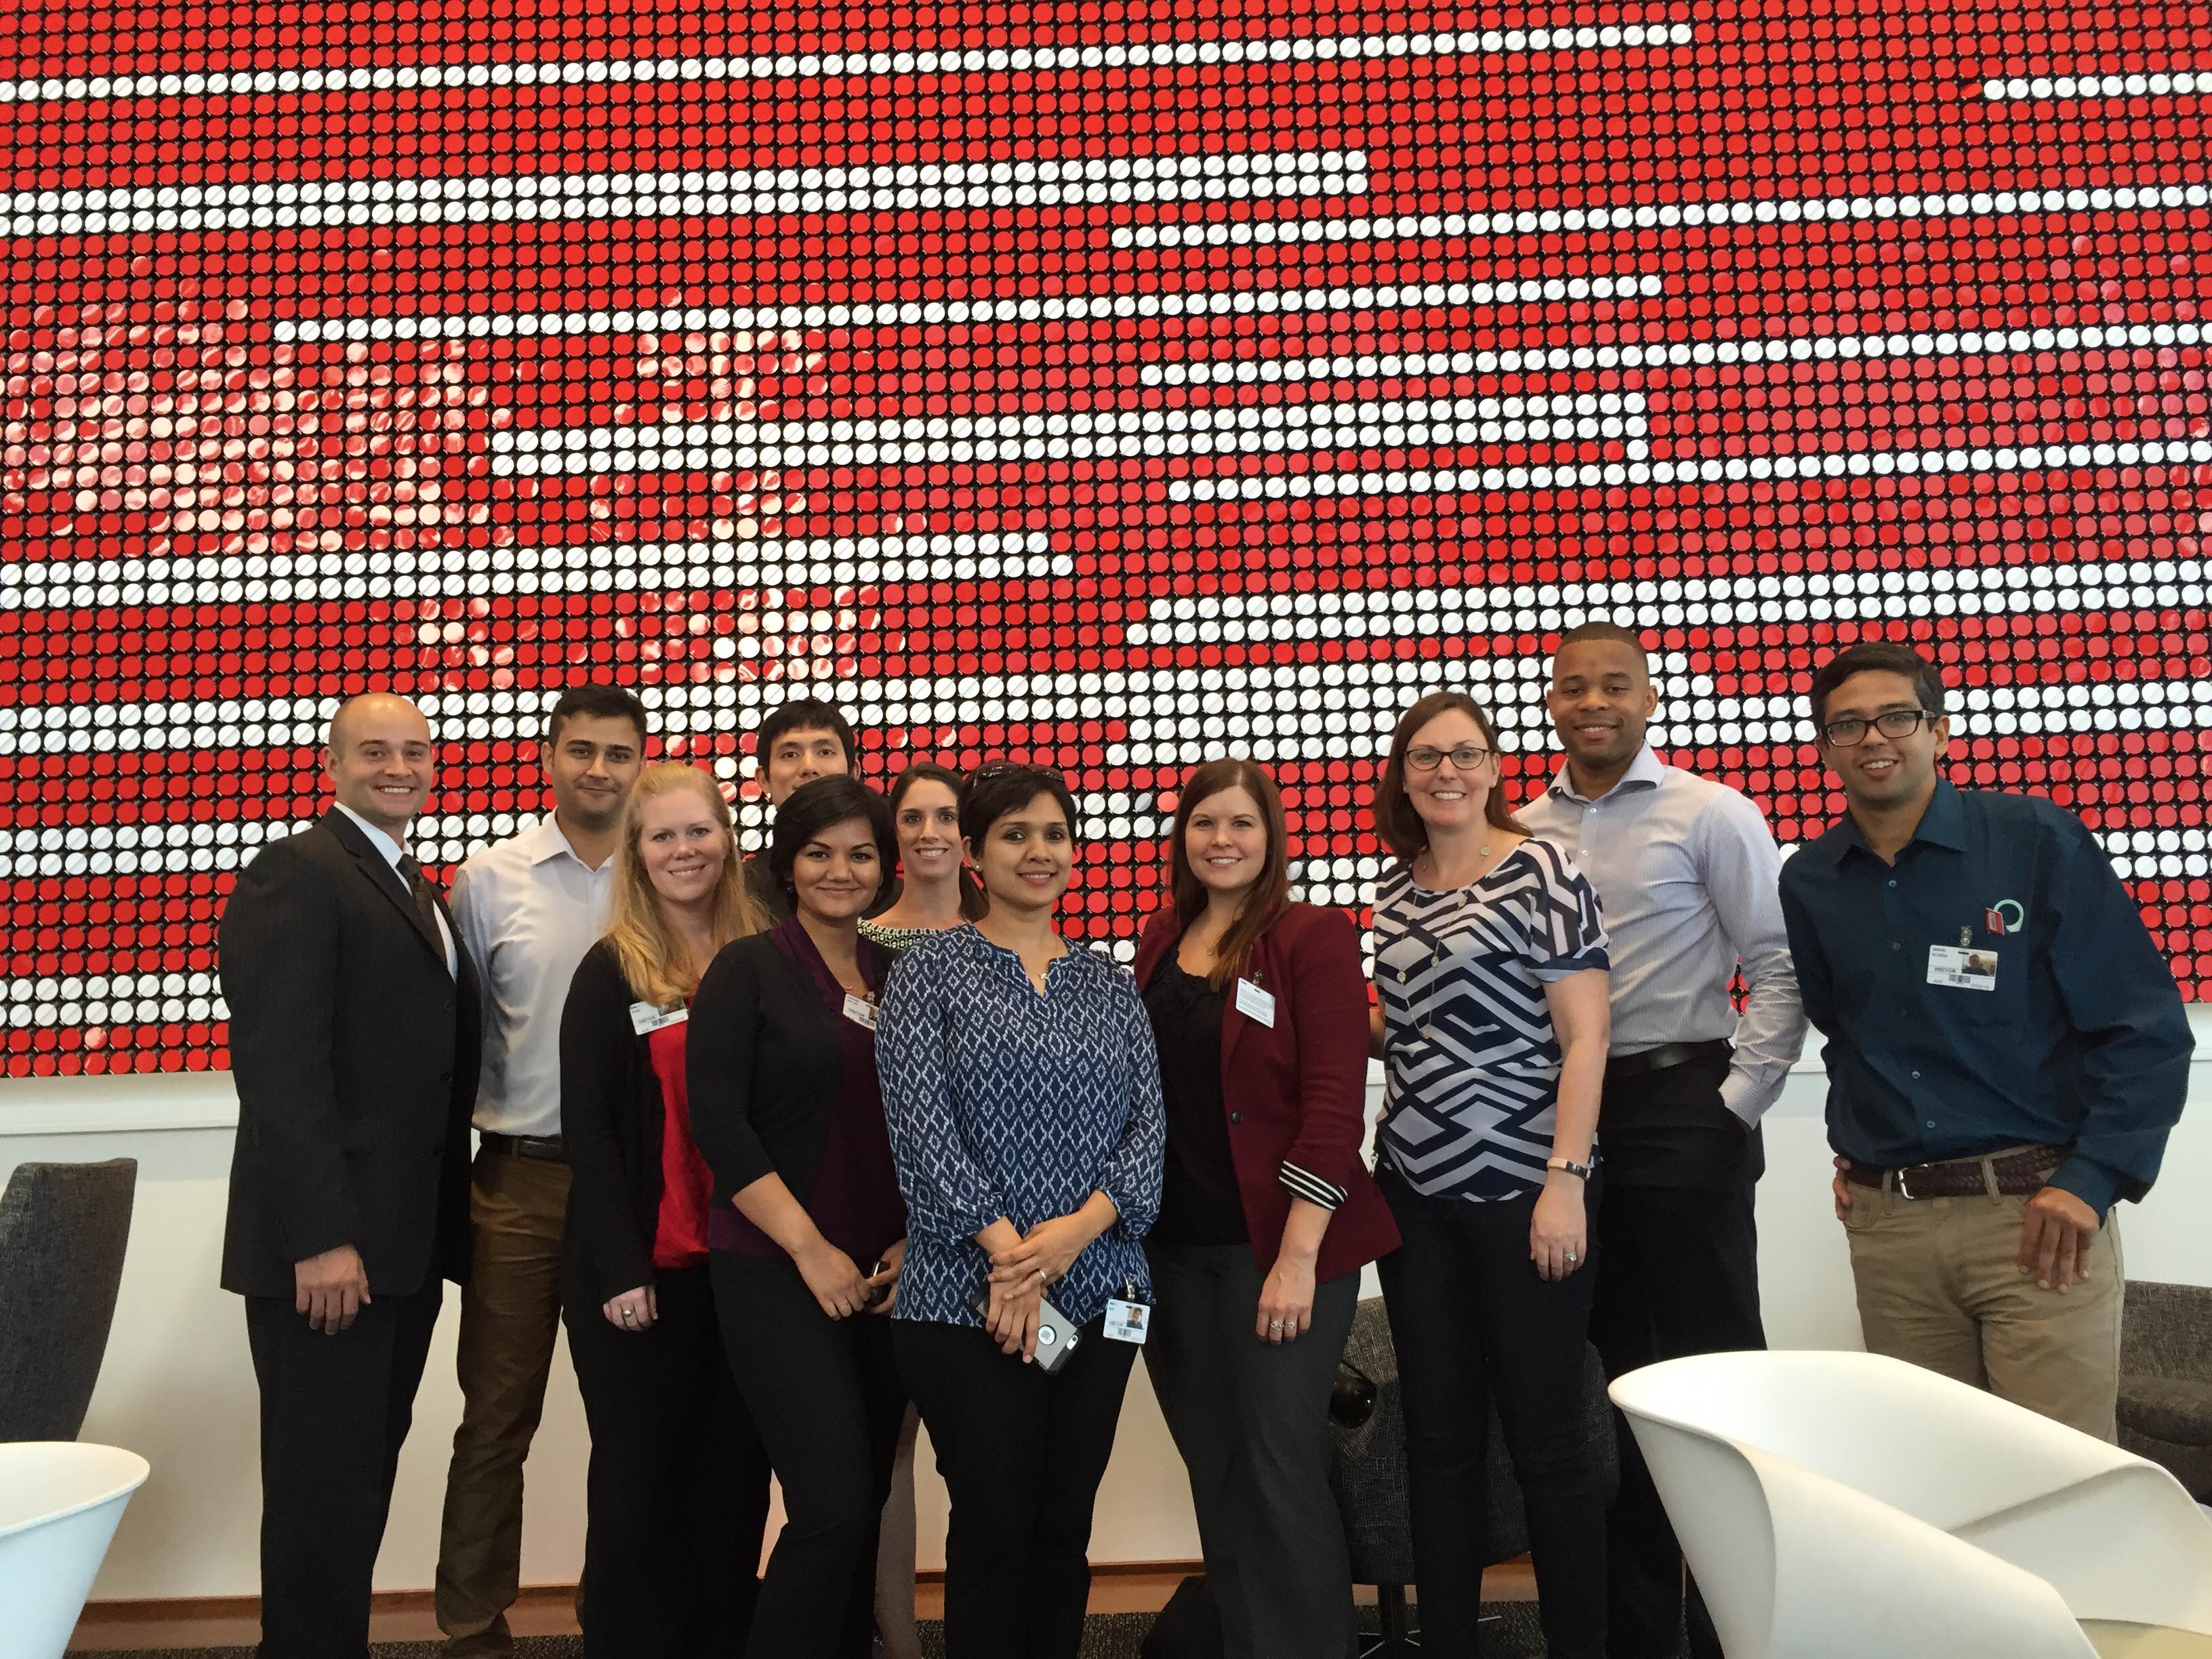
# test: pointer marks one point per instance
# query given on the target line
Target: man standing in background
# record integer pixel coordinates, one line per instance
(529, 909)
(1685, 871)
(805, 739)
(354, 1029)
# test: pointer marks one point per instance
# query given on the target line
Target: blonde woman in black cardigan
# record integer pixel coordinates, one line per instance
(678, 1487)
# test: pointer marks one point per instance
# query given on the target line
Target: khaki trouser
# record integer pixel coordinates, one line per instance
(510, 1319)
(1940, 1285)
(894, 1553)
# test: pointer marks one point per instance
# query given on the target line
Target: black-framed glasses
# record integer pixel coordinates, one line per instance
(1891, 723)
(1466, 757)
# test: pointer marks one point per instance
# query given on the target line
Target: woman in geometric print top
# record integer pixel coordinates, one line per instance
(1490, 975)
(1023, 1098)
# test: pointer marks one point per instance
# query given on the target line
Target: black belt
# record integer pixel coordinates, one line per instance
(547, 1149)
(1665, 1055)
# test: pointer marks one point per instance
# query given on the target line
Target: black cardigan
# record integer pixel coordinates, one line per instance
(611, 1120)
(766, 1061)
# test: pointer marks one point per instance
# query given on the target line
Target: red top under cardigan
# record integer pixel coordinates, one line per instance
(1297, 1092)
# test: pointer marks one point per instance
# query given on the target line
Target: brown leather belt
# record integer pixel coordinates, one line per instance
(546, 1149)
(1665, 1055)
(2018, 1170)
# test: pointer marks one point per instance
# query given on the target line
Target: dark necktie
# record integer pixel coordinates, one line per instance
(426, 900)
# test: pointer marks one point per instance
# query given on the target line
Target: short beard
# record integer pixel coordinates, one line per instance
(585, 818)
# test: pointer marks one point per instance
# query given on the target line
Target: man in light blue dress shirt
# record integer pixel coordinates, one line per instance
(529, 909)
(1686, 871)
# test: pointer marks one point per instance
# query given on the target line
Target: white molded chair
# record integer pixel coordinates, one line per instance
(1844, 1504)
(59, 1502)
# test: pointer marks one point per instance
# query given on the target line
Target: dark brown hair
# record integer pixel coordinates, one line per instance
(1876, 657)
(973, 902)
(1395, 819)
(819, 806)
(1270, 895)
(1610, 633)
(806, 715)
(999, 788)
(603, 702)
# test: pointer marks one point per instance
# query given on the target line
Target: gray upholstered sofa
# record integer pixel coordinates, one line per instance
(2166, 1380)
(63, 1230)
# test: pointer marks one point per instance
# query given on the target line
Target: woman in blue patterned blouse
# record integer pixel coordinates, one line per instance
(1023, 1097)
(1491, 968)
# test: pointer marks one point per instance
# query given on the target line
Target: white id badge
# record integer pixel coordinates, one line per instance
(645, 1017)
(1125, 1321)
(1962, 968)
(1255, 1003)
(860, 1011)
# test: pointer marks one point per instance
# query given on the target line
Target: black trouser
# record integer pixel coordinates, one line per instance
(1472, 1321)
(1022, 1455)
(678, 1486)
(1251, 1420)
(1677, 1274)
(335, 1411)
(827, 1397)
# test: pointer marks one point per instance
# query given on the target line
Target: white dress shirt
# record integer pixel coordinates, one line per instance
(530, 910)
(1689, 878)
(393, 851)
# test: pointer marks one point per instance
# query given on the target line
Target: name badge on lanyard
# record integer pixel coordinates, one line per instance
(645, 1019)
(1255, 1004)
(1962, 969)
(1128, 1320)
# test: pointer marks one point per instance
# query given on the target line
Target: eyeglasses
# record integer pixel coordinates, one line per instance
(1466, 757)
(1895, 723)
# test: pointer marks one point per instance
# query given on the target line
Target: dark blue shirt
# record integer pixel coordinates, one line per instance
(1004, 1102)
(1993, 988)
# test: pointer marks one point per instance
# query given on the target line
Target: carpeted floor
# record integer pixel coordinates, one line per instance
(1117, 1636)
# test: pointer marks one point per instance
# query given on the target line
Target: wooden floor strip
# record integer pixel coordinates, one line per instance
(551, 1610)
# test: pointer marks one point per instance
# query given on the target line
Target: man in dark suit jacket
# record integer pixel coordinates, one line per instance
(354, 1036)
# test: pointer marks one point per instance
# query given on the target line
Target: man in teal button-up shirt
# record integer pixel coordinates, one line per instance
(2005, 1050)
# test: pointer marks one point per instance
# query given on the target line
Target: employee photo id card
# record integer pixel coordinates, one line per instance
(1962, 968)
(1127, 1319)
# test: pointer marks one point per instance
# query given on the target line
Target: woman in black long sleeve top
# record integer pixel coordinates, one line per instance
(807, 1229)
(678, 1488)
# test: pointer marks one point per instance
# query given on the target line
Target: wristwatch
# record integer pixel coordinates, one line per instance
(1569, 1165)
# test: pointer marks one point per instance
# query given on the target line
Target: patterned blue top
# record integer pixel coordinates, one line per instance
(1005, 1103)
(1473, 1062)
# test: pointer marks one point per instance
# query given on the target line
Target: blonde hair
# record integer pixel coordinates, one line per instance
(651, 957)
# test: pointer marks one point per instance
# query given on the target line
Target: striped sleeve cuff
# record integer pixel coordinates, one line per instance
(1304, 1183)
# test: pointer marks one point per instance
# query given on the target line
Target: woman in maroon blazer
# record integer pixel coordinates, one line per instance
(1259, 1007)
